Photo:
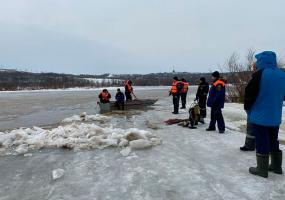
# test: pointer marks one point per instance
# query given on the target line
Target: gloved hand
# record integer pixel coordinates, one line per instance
(169, 93)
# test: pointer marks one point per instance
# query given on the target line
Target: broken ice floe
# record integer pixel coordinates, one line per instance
(75, 136)
(85, 117)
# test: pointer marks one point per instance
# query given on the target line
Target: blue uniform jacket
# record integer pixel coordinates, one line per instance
(216, 98)
(267, 108)
(120, 97)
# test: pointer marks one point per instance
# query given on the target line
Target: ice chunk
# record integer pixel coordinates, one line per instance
(72, 119)
(135, 136)
(74, 136)
(155, 141)
(57, 173)
(140, 144)
(23, 148)
(125, 152)
(123, 142)
(84, 117)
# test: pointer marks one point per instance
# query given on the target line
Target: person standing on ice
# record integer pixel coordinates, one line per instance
(175, 91)
(184, 93)
(216, 102)
(104, 96)
(128, 90)
(251, 92)
(201, 97)
(265, 114)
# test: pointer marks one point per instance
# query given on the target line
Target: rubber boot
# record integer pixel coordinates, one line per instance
(262, 166)
(276, 162)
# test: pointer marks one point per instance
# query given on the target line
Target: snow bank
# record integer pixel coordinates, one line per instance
(74, 136)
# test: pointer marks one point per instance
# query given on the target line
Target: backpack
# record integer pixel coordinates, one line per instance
(180, 86)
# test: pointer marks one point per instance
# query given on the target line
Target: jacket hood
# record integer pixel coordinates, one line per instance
(266, 59)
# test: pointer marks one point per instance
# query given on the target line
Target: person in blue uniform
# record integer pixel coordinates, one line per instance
(216, 102)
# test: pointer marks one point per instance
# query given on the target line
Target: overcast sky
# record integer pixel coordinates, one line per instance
(135, 36)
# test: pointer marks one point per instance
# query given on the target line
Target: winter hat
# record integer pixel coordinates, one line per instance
(216, 74)
(202, 79)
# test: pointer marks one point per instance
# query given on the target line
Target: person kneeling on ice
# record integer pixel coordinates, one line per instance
(120, 100)
(265, 114)
(194, 115)
(216, 101)
(104, 96)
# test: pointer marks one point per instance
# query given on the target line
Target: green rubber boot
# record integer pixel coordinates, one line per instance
(276, 162)
(262, 166)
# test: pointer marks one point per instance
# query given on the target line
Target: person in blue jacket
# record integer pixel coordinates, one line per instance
(120, 100)
(216, 100)
(264, 111)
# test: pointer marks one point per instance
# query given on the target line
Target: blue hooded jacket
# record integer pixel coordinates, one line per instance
(267, 109)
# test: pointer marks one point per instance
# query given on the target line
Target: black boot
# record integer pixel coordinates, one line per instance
(210, 129)
(202, 121)
(245, 148)
(276, 162)
(262, 166)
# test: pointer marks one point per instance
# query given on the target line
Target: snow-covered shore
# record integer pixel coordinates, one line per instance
(139, 88)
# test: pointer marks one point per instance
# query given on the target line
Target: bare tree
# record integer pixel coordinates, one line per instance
(238, 75)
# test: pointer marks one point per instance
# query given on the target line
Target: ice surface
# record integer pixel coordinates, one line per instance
(189, 164)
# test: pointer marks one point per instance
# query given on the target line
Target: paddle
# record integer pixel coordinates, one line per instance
(134, 95)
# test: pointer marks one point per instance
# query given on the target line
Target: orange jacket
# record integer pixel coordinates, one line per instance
(174, 87)
(128, 87)
(185, 87)
(105, 96)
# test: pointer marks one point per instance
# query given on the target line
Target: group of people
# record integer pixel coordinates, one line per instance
(215, 99)
(179, 89)
(263, 102)
(105, 96)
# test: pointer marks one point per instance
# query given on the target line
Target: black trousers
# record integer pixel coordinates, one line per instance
(217, 116)
(202, 105)
(120, 105)
(176, 98)
(183, 99)
(128, 96)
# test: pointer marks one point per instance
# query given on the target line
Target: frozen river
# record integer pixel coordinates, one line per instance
(189, 164)
(44, 108)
